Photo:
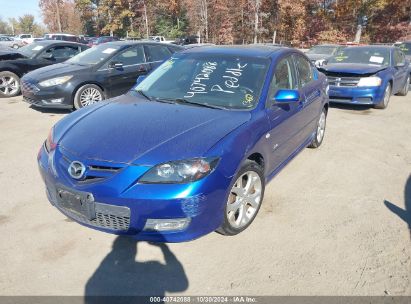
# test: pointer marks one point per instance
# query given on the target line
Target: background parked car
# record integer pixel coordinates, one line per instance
(104, 71)
(11, 42)
(405, 47)
(15, 63)
(101, 40)
(26, 38)
(319, 54)
(62, 37)
(367, 75)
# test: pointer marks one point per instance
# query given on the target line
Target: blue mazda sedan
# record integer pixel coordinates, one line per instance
(189, 150)
(367, 75)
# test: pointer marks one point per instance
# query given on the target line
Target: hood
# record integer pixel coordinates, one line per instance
(351, 68)
(10, 55)
(318, 56)
(132, 130)
(55, 70)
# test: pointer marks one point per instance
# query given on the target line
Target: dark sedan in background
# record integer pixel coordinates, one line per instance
(15, 63)
(367, 75)
(319, 54)
(105, 71)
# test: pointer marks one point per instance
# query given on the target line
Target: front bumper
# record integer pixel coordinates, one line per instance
(59, 97)
(356, 95)
(121, 205)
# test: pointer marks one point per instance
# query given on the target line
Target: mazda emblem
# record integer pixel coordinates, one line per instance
(76, 170)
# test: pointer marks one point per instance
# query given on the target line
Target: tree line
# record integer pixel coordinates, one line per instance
(233, 21)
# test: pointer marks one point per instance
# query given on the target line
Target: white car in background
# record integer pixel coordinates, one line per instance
(6, 42)
(26, 38)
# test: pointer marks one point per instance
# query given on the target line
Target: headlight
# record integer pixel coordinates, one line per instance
(179, 172)
(49, 144)
(320, 62)
(55, 81)
(373, 81)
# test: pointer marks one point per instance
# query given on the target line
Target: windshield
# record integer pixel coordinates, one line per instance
(405, 48)
(219, 81)
(323, 49)
(94, 55)
(31, 50)
(376, 56)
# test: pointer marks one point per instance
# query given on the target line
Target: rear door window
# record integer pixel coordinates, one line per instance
(131, 56)
(158, 52)
(63, 51)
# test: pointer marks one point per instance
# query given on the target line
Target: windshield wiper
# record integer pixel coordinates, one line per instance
(143, 94)
(206, 105)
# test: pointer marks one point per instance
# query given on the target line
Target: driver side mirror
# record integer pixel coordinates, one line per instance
(115, 65)
(285, 96)
(48, 56)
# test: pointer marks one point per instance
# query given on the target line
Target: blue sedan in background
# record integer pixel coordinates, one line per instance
(367, 75)
(189, 150)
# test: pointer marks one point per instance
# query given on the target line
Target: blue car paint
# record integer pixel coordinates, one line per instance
(390, 75)
(112, 134)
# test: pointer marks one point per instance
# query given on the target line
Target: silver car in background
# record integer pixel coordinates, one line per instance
(10, 42)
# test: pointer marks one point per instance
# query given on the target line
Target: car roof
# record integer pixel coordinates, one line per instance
(133, 42)
(238, 50)
(51, 42)
(374, 47)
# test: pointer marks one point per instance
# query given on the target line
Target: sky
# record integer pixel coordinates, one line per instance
(16, 8)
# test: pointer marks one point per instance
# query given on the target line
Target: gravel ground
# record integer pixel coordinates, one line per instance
(335, 221)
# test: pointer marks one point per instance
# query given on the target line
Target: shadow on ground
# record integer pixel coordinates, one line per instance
(119, 274)
(358, 109)
(405, 215)
(51, 111)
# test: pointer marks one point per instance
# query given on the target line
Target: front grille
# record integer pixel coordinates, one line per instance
(343, 81)
(28, 87)
(107, 216)
(32, 101)
(95, 172)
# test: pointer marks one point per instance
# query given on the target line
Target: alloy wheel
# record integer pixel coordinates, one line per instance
(244, 199)
(387, 95)
(9, 85)
(321, 127)
(90, 96)
(407, 85)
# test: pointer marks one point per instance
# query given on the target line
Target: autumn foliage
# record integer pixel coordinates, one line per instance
(297, 22)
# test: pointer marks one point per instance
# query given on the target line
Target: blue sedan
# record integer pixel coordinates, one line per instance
(190, 149)
(367, 75)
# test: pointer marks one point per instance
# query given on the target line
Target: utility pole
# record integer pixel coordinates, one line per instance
(58, 16)
(362, 22)
(145, 17)
(257, 9)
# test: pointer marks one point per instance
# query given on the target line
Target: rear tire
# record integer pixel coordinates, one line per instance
(9, 84)
(244, 200)
(319, 134)
(87, 95)
(387, 95)
(406, 87)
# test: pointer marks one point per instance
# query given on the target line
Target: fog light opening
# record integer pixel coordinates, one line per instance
(58, 100)
(166, 224)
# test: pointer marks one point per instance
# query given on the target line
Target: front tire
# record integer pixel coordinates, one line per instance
(387, 95)
(87, 95)
(406, 87)
(244, 200)
(9, 84)
(320, 132)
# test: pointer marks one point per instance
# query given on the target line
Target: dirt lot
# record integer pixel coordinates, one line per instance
(333, 222)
